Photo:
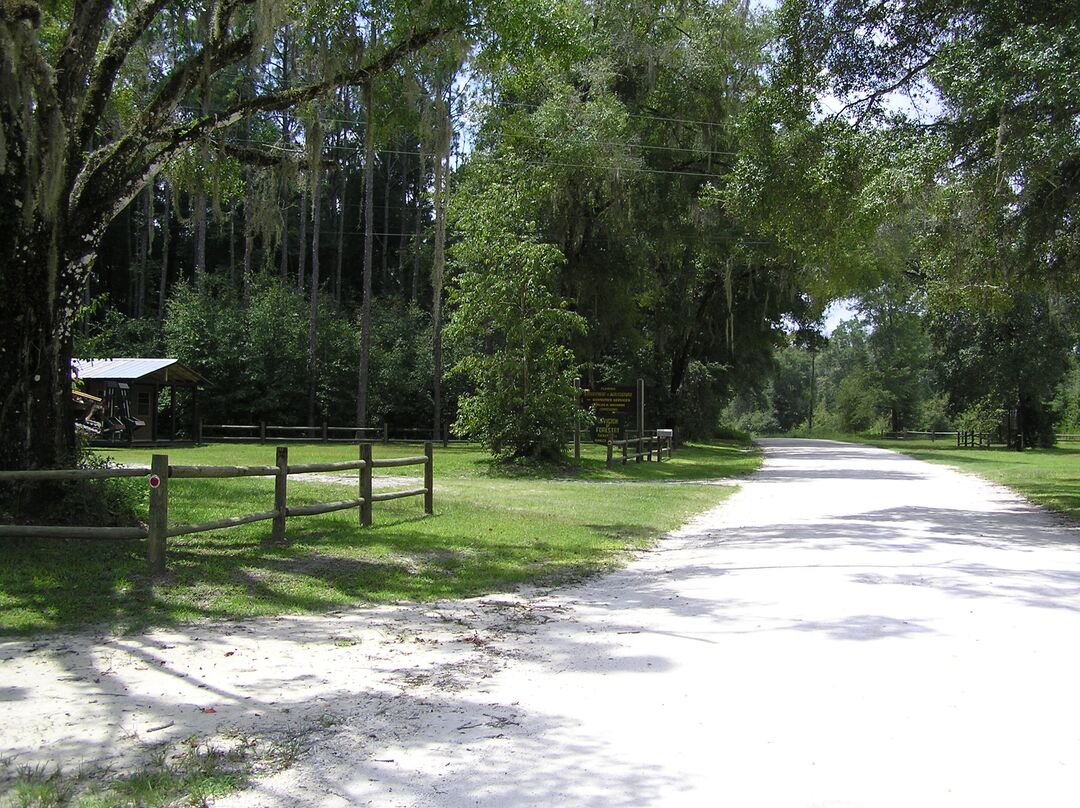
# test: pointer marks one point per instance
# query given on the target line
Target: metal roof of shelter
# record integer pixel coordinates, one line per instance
(160, 371)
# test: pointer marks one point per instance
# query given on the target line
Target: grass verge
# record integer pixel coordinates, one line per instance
(493, 529)
(192, 772)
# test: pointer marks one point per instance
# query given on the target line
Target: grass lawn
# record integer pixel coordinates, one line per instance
(1050, 477)
(492, 530)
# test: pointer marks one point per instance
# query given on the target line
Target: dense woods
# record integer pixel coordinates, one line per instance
(444, 213)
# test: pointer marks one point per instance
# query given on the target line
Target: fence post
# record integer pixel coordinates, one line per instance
(365, 485)
(429, 479)
(159, 515)
(609, 452)
(281, 486)
(198, 429)
(385, 432)
(325, 432)
(640, 448)
(625, 444)
(262, 431)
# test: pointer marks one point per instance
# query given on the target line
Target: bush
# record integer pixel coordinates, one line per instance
(255, 355)
(120, 501)
(509, 325)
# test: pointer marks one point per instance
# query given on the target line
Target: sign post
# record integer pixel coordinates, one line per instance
(640, 408)
(577, 421)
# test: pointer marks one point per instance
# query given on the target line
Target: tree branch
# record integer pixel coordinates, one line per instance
(77, 54)
(116, 173)
(263, 159)
(881, 92)
(222, 16)
(105, 71)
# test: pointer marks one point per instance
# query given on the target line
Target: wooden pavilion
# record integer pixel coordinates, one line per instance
(130, 392)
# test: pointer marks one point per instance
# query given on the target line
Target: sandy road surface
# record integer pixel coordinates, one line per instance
(852, 628)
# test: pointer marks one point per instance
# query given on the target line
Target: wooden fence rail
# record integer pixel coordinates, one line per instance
(645, 447)
(324, 432)
(910, 434)
(159, 530)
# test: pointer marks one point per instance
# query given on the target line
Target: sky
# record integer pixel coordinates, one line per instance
(836, 313)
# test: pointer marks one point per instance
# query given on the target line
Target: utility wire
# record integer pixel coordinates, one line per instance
(528, 161)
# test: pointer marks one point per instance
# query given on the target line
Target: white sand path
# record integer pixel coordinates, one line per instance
(852, 628)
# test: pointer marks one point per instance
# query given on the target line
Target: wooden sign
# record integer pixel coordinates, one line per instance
(614, 406)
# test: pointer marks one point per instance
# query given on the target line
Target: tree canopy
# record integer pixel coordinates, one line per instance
(668, 190)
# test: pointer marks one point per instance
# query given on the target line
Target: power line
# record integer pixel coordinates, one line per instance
(629, 144)
(529, 161)
(628, 114)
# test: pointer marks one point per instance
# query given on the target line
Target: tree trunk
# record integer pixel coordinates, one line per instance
(365, 308)
(339, 259)
(316, 202)
(35, 408)
(232, 247)
(402, 235)
(200, 209)
(145, 245)
(442, 192)
(249, 237)
(384, 240)
(166, 228)
(421, 175)
(302, 255)
(200, 241)
(286, 141)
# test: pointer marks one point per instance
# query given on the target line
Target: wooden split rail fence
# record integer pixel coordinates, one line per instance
(324, 433)
(644, 448)
(158, 530)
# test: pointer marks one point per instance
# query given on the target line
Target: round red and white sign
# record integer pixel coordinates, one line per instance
(155, 481)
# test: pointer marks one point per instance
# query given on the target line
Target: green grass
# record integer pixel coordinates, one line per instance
(493, 530)
(1050, 477)
(192, 772)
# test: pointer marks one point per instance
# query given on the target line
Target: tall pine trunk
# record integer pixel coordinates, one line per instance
(316, 204)
(166, 243)
(384, 240)
(369, 207)
(442, 190)
(146, 242)
(302, 247)
(421, 175)
(249, 237)
(402, 235)
(286, 141)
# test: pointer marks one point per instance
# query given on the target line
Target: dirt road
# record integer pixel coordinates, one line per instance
(852, 628)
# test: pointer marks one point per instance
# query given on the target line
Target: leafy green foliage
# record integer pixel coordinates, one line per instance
(508, 324)
(254, 354)
(997, 361)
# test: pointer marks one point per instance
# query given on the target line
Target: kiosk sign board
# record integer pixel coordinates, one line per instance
(614, 406)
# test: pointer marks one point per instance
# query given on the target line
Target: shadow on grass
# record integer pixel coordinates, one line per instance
(691, 461)
(67, 584)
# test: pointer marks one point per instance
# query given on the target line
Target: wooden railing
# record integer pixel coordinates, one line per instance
(160, 471)
(324, 432)
(969, 438)
(912, 435)
(644, 448)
